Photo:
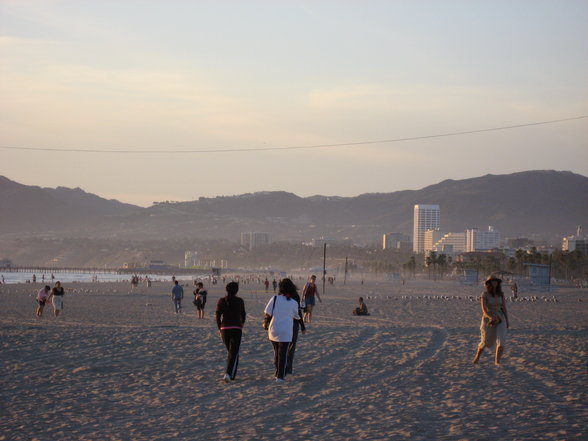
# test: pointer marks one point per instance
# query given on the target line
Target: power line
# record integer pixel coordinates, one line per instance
(300, 147)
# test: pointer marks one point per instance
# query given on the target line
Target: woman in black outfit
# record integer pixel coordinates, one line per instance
(289, 288)
(230, 319)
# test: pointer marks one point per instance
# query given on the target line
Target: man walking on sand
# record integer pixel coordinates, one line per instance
(177, 296)
(309, 292)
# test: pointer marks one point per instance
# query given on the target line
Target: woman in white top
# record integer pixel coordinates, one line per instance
(284, 310)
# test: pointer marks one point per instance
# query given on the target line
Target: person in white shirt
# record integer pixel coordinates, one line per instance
(284, 310)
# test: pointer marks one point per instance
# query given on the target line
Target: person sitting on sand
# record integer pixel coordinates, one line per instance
(361, 309)
(494, 319)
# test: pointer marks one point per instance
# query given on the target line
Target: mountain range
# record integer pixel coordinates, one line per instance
(542, 203)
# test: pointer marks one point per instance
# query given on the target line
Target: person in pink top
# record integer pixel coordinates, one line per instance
(42, 297)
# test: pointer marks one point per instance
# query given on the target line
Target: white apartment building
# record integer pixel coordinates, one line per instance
(190, 259)
(253, 240)
(431, 238)
(480, 240)
(451, 243)
(426, 217)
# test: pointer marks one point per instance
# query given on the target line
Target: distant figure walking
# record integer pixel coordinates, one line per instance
(309, 292)
(494, 319)
(274, 285)
(200, 295)
(361, 309)
(266, 284)
(56, 297)
(283, 310)
(42, 297)
(514, 288)
(230, 319)
(134, 282)
(177, 296)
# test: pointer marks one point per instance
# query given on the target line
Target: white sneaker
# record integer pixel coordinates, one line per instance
(279, 380)
(226, 378)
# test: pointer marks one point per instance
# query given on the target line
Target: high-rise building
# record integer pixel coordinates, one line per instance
(395, 241)
(480, 240)
(253, 240)
(426, 217)
(575, 243)
(190, 258)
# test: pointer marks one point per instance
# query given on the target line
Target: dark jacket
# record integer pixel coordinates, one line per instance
(230, 313)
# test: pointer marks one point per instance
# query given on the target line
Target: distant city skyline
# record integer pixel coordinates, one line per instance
(130, 76)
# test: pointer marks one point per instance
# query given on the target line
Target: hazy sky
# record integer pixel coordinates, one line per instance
(213, 75)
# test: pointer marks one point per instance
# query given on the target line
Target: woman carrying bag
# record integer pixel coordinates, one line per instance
(284, 310)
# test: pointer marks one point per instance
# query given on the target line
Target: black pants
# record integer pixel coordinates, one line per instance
(292, 348)
(280, 357)
(232, 340)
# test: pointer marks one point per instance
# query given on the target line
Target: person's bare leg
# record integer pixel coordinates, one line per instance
(499, 351)
(478, 353)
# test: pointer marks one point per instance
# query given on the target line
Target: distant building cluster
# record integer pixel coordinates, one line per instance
(397, 241)
(190, 259)
(431, 238)
(252, 240)
(428, 235)
(575, 242)
(321, 242)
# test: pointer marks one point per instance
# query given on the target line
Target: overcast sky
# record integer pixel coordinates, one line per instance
(217, 75)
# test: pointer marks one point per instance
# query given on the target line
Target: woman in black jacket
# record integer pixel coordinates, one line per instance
(230, 319)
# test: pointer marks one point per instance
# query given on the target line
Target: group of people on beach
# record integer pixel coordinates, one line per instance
(53, 295)
(283, 315)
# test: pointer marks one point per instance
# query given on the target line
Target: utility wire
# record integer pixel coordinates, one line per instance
(300, 147)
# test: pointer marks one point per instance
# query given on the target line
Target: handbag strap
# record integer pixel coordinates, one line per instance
(274, 304)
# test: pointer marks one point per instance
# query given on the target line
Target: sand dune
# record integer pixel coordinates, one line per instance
(120, 366)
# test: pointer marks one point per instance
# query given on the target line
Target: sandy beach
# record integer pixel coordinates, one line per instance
(120, 366)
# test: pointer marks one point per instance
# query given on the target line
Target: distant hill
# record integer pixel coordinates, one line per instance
(532, 203)
(32, 209)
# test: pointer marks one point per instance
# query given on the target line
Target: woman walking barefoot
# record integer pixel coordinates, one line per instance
(494, 319)
(57, 298)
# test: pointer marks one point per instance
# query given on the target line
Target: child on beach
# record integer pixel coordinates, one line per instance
(42, 297)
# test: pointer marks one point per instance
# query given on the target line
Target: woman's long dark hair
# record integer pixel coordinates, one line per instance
(232, 290)
(288, 288)
(490, 289)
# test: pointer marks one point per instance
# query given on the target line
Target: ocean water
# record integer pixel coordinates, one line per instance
(10, 277)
